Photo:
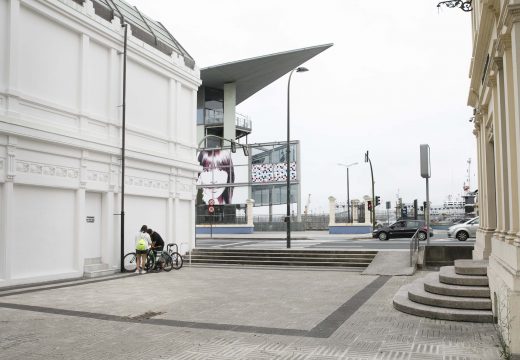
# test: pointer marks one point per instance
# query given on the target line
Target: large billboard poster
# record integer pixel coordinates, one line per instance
(223, 178)
(231, 178)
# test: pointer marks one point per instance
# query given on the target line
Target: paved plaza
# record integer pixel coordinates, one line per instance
(230, 313)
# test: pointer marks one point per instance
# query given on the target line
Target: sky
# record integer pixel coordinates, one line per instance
(396, 77)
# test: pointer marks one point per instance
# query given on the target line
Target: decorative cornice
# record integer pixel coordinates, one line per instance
(510, 15)
(497, 63)
(147, 183)
(503, 44)
(492, 80)
(27, 167)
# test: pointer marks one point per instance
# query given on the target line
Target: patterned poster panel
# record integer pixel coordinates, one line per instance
(280, 171)
(261, 173)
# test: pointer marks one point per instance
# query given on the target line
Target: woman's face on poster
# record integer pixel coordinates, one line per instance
(213, 177)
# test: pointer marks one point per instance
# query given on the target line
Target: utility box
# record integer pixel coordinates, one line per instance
(425, 161)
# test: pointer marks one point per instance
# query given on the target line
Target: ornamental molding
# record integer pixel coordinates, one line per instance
(510, 15)
(146, 183)
(97, 176)
(27, 167)
(503, 44)
(183, 186)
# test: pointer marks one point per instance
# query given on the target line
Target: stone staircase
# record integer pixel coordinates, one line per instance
(458, 293)
(95, 268)
(358, 260)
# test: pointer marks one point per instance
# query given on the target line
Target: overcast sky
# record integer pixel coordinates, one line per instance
(396, 77)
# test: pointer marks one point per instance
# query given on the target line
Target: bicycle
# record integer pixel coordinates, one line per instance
(160, 261)
(130, 262)
(177, 260)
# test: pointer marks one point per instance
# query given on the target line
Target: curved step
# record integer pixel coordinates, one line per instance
(433, 285)
(402, 303)
(471, 267)
(447, 275)
(417, 294)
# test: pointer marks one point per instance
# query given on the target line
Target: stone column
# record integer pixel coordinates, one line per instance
(355, 211)
(249, 212)
(487, 191)
(79, 241)
(7, 211)
(510, 139)
(13, 52)
(501, 151)
(84, 79)
(230, 100)
(107, 242)
(515, 136)
(332, 211)
(172, 114)
(368, 212)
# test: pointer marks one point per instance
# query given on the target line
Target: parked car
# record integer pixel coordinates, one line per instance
(465, 230)
(402, 228)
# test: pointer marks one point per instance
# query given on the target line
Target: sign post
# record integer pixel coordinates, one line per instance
(211, 210)
(426, 173)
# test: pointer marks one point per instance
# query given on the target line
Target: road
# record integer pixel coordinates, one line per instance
(323, 242)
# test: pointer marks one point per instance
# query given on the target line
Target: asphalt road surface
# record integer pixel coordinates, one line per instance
(440, 237)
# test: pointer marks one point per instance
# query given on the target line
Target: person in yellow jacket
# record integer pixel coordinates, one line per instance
(142, 244)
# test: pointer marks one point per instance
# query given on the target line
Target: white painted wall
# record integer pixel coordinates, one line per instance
(140, 211)
(147, 99)
(98, 80)
(184, 232)
(3, 44)
(49, 69)
(60, 139)
(93, 235)
(44, 231)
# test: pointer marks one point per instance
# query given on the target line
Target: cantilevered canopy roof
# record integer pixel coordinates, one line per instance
(252, 75)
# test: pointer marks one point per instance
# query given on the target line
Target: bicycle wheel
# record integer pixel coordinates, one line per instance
(167, 262)
(176, 260)
(129, 262)
(150, 262)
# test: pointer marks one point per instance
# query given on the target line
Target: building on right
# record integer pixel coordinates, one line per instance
(495, 96)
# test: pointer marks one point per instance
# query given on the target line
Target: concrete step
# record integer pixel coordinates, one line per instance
(447, 275)
(471, 267)
(403, 303)
(329, 258)
(292, 262)
(99, 273)
(433, 285)
(95, 267)
(285, 252)
(96, 260)
(418, 294)
(202, 257)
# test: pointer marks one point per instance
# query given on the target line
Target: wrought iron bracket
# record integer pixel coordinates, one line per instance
(464, 5)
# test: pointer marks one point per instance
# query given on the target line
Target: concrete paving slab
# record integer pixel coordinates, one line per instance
(390, 263)
(208, 313)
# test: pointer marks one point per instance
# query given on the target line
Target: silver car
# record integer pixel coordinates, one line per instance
(465, 230)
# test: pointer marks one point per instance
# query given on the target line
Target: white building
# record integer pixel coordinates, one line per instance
(61, 76)
(495, 95)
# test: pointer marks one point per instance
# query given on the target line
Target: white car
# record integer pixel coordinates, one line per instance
(465, 230)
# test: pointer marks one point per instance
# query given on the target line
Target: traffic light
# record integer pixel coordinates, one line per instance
(233, 146)
(422, 208)
(369, 203)
(378, 200)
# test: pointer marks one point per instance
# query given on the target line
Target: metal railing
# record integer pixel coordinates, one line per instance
(414, 248)
(216, 117)
(220, 219)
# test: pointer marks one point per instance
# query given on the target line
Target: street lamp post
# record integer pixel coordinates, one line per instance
(348, 190)
(288, 155)
(373, 212)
